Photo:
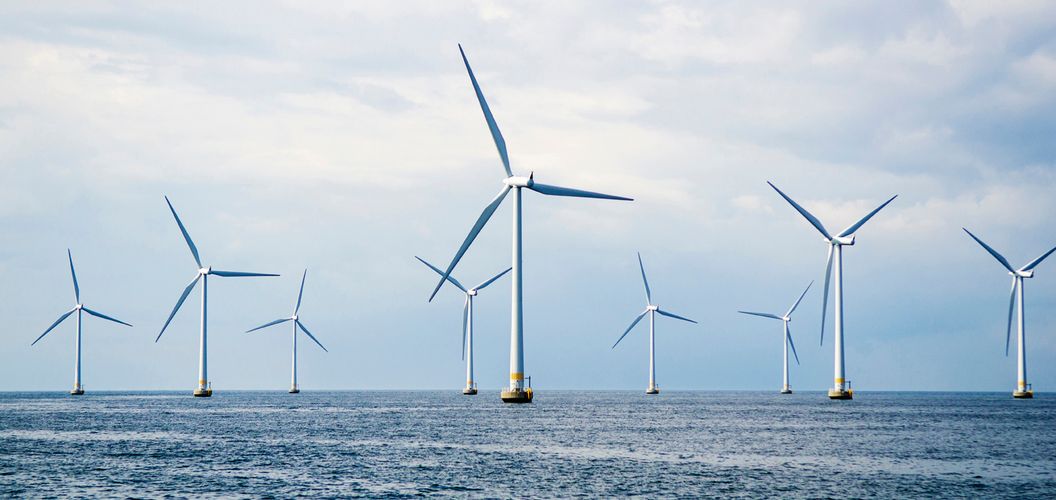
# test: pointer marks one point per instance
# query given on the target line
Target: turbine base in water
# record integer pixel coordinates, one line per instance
(294, 390)
(653, 390)
(77, 391)
(469, 391)
(834, 394)
(203, 393)
(517, 396)
(786, 390)
(1023, 394)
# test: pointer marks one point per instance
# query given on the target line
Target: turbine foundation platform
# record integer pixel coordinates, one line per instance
(470, 391)
(653, 390)
(837, 394)
(203, 393)
(1023, 394)
(294, 390)
(786, 390)
(77, 392)
(517, 396)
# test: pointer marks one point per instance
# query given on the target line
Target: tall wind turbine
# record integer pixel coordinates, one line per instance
(296, 323)
(78, 308)
(651, 309)
(1023, 389)
(204, 388)
(467, 322)
(841, 388)
(787, 339)
(516, 391)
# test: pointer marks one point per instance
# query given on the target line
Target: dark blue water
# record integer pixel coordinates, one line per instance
(687, 444)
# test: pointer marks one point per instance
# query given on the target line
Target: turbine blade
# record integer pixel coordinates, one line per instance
(300, 294)
(238, 274)
(628, 330)
(101, 315)
(825, 293)
(788, 333)
(578, 193)
(500, 143)
(473, 232)
(648, 292)
(187, 237)
(309, 334)
(1034, 263)
(802, 211)
(800, 299)
(53, 325)
(1000, 258)
(492, 280)
(76, 288)
(183, 297)
(465, 322)
(441, 273)
(854, 227)
(1011, 307)
(672, 315)
(270, 323)
(764, 315)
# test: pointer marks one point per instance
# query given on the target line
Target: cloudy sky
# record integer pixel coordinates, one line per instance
(346, 139)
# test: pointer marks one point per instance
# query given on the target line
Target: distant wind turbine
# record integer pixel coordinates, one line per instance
(467, 322)
(1023, 389)
(204, 389)
(296, 323)
(651, 309)
(841, 388)
(516, 392)
(78, 307)
(787, 339)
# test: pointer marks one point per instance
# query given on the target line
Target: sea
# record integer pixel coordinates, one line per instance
(605, 444)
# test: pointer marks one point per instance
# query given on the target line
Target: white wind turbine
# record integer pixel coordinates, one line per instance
(787, 339)
(516, 392)
(296, 323)
(650, 309)
(1023, 389)
(841, 388)
(467, 322)
(204, 389)
(78, 389)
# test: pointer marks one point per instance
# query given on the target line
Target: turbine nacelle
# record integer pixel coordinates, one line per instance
(842, 240)
(205, 270)
(652, 307)
(294, 317)
(79, 307)
(1023, 274)
(519, 181)
(472, 293)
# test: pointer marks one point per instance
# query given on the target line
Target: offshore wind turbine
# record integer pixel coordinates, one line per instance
(296, 324)
(78, 308)
(516, 391)
(467, 322)
(841, 388)
(1023, 389)
(204, 388)
(786, 340)
(652, 310)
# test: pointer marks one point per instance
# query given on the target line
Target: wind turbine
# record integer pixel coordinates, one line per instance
(652, 310)
(787, 340)
(296, 323)
(516, 391)
(204, 388)
(1023, 389)
(78, 308)
(467, 322)
(841, 388)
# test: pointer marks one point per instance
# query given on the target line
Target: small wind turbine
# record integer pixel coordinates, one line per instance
(516, 392)
(841, 389)
(650, 309)
(1023, 389)
(787, 340)
(467, 322)
(78, 307)
(204, 389)
(296, 323)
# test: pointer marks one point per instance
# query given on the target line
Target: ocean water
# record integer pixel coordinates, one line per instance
(593, 444)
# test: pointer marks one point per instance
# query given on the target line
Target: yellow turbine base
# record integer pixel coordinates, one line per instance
(203, 393)
(517, 396)
(834, 394)
(1023, 394)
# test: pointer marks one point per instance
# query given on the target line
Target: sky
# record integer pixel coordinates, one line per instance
(346, 139)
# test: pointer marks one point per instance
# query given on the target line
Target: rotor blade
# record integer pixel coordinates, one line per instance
(825, 293)
(672, 315)
(628, 330)
(309, 334)
(270, 323)
(300, 294)
(802, 211)
(1034, 263)
(1011, 307)
(764, 315)
(76, 288)
(441, 273)
(854, 227)
(1000, 258)
(547, 189)
(183, 297)
(53, 325)
(101, 315)
(465, 321)
(238, 274)
(500, 143)
(492, 280)
(788, 333)
(473, 232)
(794, 306)
(190, 244)
(648, 293)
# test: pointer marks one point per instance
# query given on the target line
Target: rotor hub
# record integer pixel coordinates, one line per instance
(472, 293)
(518, 181)
(652, 307)
(205, 270)
(1023, 274)
(842, 240)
